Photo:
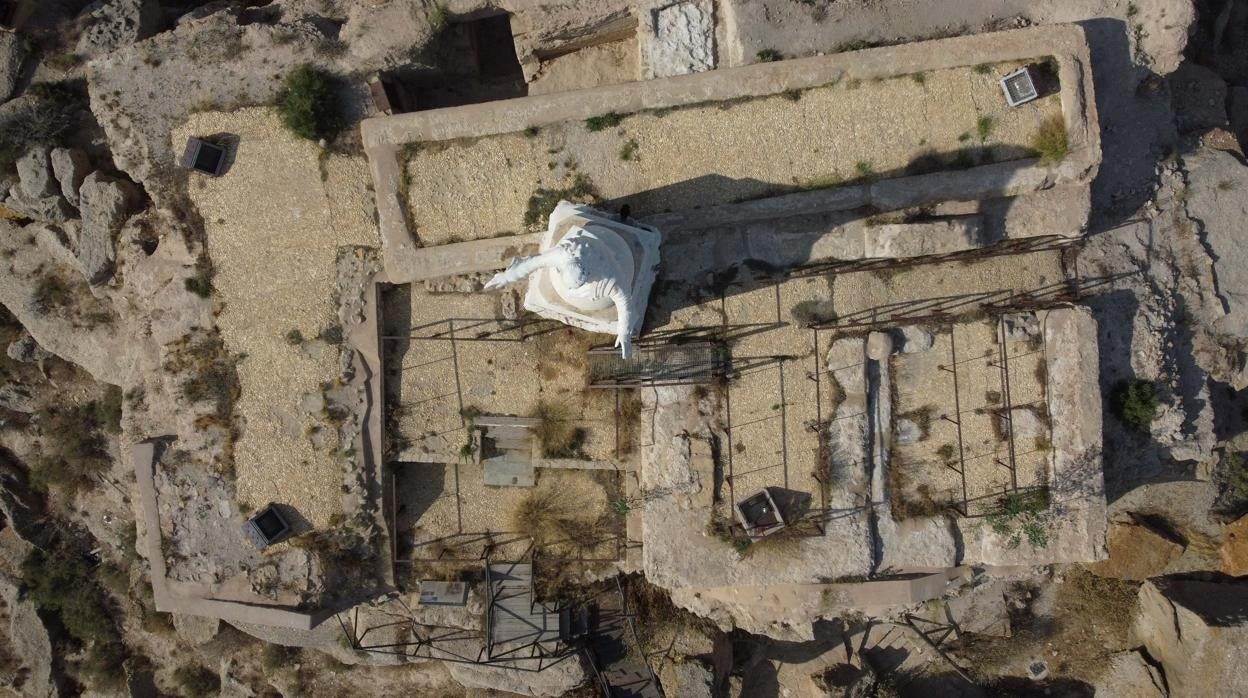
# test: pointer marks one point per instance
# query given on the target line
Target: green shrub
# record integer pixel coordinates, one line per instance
(294, 337)
(331, 334)
(768, 55)
(197, 681)
(75, 451)
(984, 127)
(60, 582)
(1236, 473)
(629, 150)
(604, 121)
(1050, 142)
(1135, 403)
(108, 409)
(308, 105)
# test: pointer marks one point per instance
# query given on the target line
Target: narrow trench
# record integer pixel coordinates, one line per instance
(872, 367)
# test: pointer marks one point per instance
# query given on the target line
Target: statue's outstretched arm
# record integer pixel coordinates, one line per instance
(624, 313)
(521, 267)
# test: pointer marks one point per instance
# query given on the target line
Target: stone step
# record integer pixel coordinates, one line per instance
(508, 471)
(524, 446)
(498, 433)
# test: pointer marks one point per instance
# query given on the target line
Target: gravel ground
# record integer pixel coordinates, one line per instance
(495, 377)
(698, 156)
(274, 224)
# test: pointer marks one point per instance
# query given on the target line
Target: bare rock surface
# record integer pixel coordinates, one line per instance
(1196, 630)
(1136, 552)
(1218, 202)
(112, 24)
(26, 349)
(71, 166)
(28, 639)
(106, 204)
(915, 543)
(196, 630)
(1130, 675)
(1234, 550)
(13, 53)
(34, 173)
(679, 38)
(554, 681)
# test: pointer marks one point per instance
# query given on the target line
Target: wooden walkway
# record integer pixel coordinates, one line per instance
(514, 619)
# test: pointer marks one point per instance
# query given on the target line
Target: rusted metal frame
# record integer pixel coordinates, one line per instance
(957, 407)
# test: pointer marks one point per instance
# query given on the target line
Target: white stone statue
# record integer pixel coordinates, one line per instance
(592, 272)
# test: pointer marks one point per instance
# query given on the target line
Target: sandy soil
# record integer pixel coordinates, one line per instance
(274, 223)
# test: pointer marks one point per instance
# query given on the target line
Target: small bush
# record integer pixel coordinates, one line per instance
(984, 127)
(629, 150)
(543, 201)
(63, 61)
(331, 335)
(792, 95)
(531, 132)
(1235, 470)
(74, 451)
(278, 656)
(294, 337)
(50, 294)
(197, 681)
(769, 55)
(556, 432)
(60, 581)
(1050, 141)
(983, 69)
(108, 410)
(1135, 403)
(201, 283)
(308, 105)
(604, 121)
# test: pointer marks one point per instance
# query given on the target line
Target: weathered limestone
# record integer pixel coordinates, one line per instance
(116, 23)
(554, 681)
(1216, 201)
(105, 203)
(1131, 676)
(26, 349)
(1196, 630)
(34, 173)
(13, 53)
(915, 543)
(70, 165)
(919, 239)
(1234, 550)
(677, 38)
(1136, 552)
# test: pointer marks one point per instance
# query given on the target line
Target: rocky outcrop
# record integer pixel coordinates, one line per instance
(1198, 632)
(1136, 552)
(112, 24)
(106, 204)
(28, 639)
(556, 680)
(1217, 201)
(70, 166)
(12, 54)
(1131, 676)
(26, 349)
(37, 194)
(1234, 550)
